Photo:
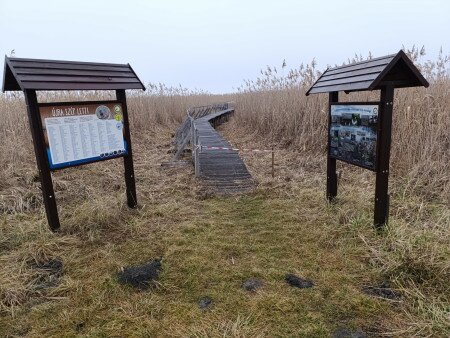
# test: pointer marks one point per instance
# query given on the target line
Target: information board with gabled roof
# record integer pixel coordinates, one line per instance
(359, 133)
(66, 134)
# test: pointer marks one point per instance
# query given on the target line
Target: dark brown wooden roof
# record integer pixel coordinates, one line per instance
(22, 74)
(397, 70)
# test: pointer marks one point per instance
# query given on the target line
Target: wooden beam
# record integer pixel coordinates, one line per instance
(40, 150)
(128, 158)
(333, 97)
(381, 212)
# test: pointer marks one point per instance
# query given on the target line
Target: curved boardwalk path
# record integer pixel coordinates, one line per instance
(222, 171)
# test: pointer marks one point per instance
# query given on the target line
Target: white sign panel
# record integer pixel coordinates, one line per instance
(82, 133)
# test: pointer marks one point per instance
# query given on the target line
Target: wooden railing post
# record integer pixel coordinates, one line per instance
(197, 152)
(192, 138)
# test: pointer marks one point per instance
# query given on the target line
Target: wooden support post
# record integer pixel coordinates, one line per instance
(40, 150)
(273, 163)
(128, 158)
(331, 162)
(381, 212)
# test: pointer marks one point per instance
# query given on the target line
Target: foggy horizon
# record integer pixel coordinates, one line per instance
(216, 46)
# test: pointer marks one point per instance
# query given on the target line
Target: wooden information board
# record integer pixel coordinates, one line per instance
(359, 133)
(75, 133)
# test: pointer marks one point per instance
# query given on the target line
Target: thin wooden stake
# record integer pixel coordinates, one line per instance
(273, 163)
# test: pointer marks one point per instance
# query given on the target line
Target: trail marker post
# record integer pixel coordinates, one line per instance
(359, 133)
(67, 134)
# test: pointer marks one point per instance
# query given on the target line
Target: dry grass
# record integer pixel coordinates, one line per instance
(209, 246)
(412, 252)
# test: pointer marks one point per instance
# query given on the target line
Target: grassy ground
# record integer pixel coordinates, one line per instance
(209, 246)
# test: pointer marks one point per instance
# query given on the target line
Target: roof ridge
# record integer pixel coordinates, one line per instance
(361, 75)
(362, 62)
(14, 59)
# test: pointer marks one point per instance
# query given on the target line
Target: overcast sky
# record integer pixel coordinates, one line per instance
(214, 44)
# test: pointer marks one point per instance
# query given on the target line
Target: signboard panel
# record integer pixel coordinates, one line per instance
(353, 133)
(82, 132)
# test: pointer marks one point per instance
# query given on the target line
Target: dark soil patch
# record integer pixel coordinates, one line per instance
(298, 282)
(383, 291)
(346, 333)
(252, 284)
(142, 276)
(54, 266)
(48, 273)
(80, 326)
(205, 303)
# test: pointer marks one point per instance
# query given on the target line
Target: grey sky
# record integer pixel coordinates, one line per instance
(214, 45)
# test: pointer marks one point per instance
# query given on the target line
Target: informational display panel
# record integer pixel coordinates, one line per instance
(353, 133)
(82, 132)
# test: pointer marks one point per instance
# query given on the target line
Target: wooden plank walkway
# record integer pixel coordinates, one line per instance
(221, 170)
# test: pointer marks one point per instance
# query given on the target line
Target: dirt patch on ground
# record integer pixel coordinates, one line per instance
(142, 276)
(298, 282)
(48, 273)
(205, 303)
(252, 284)
(382, 291)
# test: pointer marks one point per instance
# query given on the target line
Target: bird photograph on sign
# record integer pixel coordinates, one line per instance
(224, 169)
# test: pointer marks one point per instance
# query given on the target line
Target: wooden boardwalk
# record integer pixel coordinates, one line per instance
(223, 171)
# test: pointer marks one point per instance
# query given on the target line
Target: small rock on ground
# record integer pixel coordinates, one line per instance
(142, 276)
(346, 333)
(205, 303)
(298, 282)
(252, 284)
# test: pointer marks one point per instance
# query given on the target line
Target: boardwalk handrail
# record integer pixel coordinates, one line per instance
(200, 111)
(214, 119)
(183, 133)
(216, 163)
